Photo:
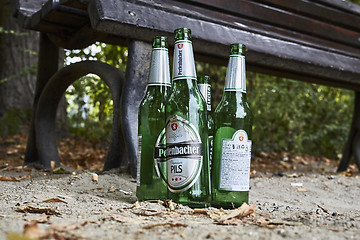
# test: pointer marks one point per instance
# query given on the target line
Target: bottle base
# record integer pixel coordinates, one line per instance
(226, 205)
(195, 204)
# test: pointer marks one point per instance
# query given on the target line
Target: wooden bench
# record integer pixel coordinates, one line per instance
(309, 40)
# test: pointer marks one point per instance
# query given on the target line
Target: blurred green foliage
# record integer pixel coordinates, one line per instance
(289, 115)
(13, 120)
(299, 117)
(89, 99)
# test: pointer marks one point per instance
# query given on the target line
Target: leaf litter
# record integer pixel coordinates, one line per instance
(38, 210)
(164, 213)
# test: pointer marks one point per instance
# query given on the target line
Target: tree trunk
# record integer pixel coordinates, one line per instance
(18, 58)
(18, 68)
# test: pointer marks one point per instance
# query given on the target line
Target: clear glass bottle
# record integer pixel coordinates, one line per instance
(187, 158)
(152, 138)
(232, 140)
(205, 90)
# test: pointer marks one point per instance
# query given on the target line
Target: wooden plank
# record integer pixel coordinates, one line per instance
(65, 19)
(137, 21)
(346, 6)
(325, 13)
(285, 19)
(56, 14)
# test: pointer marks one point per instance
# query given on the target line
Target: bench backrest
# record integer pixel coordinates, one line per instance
(316, 41)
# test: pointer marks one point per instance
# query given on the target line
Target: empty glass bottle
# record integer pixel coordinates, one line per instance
(205, 90)
(152, 139)
(232, 140)
(186, 130)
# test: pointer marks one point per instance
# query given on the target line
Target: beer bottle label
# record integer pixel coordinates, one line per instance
(236, 75)
(184, 66)
(235, 162)
(205, 90)
(138, 161)
(160, 155)
(184, 156)
(159, 69)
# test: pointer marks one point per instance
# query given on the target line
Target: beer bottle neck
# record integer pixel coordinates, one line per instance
(180, 87)
(159, 68)
(157, 92)
(184, 64)
(236, 75)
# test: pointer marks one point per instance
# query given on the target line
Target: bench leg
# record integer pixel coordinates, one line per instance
(352, 146)
(137, 74)
(47, 107)
(47, 66)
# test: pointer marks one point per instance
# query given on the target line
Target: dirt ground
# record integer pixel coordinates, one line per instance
(290, 198)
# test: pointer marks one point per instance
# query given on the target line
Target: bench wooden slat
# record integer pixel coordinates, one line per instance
(321, 11)
(290, 20)
(60, 19)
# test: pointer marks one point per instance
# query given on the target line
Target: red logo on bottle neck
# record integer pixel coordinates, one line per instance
(174, 126)
(180, 46)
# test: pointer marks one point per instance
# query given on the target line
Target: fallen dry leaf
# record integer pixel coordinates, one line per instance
(32, 230)
(147, 212)
(135, 205)
(165, 224)
(31, 209)
(293, 175)
(170, 204)
(95, 177)
(216, 214)
(42, 219)
(347, 173)
(124, 218)
(323, 209)
(242, 211)
(117, 219)
(55, 200)
(69, 227)
(232, 221)
(175, 215)
(16, 168)
(285, 165)
(262, 222)
(200, 211)
(12, 179)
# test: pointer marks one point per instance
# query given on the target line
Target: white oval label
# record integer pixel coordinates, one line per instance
(184, 155)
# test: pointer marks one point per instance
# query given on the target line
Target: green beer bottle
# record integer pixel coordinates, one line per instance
(205, 90)
(232, 140)
(151, 155)
(187, 160)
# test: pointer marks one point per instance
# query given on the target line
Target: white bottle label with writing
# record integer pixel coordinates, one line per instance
(184, 65)
(184, 156)
(235, 162)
